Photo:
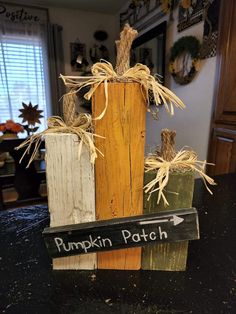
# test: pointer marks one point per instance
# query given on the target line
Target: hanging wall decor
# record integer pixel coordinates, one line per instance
(210, 32)
(22, 13)
(31, 115)
(190, 13)
(79, 62)
(142, 13)
(184, 59)
(99, 51)
(166, 5)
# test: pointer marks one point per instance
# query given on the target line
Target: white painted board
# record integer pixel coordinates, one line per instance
(71, 191)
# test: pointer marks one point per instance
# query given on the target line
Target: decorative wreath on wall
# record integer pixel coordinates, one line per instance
(184, 59)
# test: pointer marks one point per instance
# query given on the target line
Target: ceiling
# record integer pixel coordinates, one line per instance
(103, 6)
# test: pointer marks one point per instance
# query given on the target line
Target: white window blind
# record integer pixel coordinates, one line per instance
(22, 76)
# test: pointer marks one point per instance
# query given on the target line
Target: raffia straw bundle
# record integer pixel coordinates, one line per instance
(103, 72)
(69, 110)
(82, 127)
(167, 161)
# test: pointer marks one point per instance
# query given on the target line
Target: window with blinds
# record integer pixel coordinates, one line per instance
(22, 76)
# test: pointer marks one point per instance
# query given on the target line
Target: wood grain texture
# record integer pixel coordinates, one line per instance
(169, 256)
(71, 191)
(119, 174)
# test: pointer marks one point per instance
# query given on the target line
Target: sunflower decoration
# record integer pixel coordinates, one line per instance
(186, 4)
(166, 5)
(188, 7)
(30, 114)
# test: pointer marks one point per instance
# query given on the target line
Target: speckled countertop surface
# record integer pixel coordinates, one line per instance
(28, 284)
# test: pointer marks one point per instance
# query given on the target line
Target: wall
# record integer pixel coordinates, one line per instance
(193, 123)
(82, 25)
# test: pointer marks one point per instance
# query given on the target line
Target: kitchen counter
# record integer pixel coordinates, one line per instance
(29, 285)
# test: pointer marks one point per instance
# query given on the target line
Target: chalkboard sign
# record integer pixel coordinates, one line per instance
(106, 235)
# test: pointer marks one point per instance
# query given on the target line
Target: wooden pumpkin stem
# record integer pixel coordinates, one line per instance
(69, 108)
(168, 144)
(123, 49)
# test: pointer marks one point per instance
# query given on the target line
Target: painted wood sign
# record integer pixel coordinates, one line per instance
(67, 208)
(123, 127)
(120, 233)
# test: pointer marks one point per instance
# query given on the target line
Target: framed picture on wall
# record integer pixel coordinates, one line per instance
(190, 13)
(78, 57)
(145, 57)
(149, 49)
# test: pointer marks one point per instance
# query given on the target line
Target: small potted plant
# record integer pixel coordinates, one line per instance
(10, 129)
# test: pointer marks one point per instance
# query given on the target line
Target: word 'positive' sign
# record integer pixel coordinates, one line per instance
(106, 235)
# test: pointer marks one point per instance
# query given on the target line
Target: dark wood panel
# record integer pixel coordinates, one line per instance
(222, 147)
(120, 233)
(226, 61)
(223, 152)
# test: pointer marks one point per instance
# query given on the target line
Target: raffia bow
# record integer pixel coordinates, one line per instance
(183, 160)
(103, 72)
(82, 127)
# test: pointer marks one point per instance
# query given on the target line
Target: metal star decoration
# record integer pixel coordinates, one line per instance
(30, 114)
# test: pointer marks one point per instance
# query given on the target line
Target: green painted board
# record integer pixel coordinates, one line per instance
(168, 256)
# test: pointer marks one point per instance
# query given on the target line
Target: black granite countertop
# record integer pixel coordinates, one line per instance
(28, 284)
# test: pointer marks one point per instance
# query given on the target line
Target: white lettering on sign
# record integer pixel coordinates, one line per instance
(143, 236)
(98, 242)
(162, 234)
(84, 245)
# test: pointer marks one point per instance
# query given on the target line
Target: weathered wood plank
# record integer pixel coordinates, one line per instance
(169, 256)
(119, 174)
(71, 191)
(113, 234)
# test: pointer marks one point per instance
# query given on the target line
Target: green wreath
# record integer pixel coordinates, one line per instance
(191, 46)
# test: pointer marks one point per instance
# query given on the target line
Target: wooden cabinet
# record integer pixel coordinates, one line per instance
(223, 151)
(226, 63)
(222, 148)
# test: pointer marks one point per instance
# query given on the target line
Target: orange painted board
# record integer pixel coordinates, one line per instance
(119, 174)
